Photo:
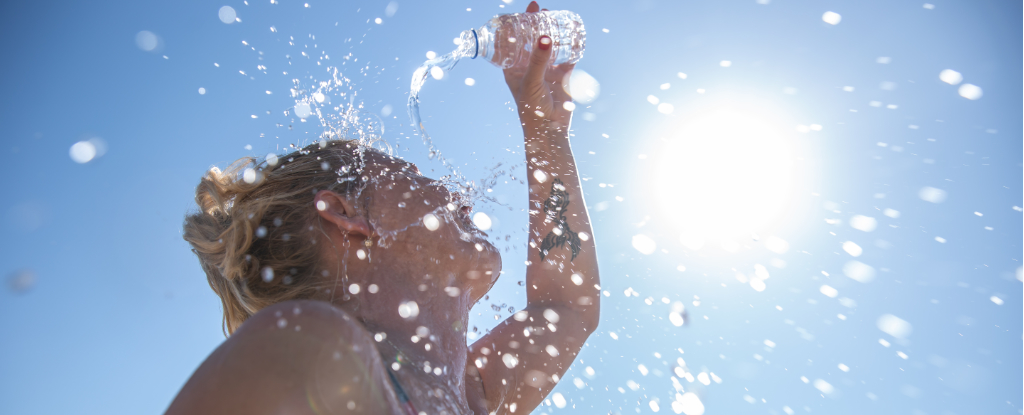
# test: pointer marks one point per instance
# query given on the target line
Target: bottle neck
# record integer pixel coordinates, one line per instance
(476, 43)
(469, 46)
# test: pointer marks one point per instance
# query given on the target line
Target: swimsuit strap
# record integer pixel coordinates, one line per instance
(403, 398)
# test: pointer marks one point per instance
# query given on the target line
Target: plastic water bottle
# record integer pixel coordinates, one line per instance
(504, 41)
(509, 38)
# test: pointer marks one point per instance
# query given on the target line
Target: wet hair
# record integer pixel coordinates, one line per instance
(257, 230)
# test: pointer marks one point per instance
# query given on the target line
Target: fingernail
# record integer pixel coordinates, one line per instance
(544, 43)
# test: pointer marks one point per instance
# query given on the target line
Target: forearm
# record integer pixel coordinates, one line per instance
(563, 268)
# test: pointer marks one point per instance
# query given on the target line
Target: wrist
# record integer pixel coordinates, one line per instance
(545, 129)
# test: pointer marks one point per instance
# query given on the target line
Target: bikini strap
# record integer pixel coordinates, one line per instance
(403, 398)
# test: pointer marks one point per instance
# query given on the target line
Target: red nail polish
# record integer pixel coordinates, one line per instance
(544, 43)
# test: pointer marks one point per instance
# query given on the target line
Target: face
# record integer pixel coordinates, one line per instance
(425, 229)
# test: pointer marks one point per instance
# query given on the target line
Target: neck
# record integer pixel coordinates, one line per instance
(430, 347)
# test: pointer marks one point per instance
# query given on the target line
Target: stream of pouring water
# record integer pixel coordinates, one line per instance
(419, 77)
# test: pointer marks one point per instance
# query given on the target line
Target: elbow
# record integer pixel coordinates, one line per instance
(591, 321)
(590, 315)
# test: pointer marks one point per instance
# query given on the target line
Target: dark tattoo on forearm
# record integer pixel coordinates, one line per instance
(555, 208)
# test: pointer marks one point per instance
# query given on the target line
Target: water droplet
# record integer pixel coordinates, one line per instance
(970, 91)
(540, 176)
(227, 14)
(22, 280)
(302, 110)
(268, 274)
(582, 87)
(436, 72)
(510, 360)
(831, 18)
(894, 326)
(644, 244)
(576, 279)
(852, 248)
(689, 403)
(931, 194)
(431, 222)
(408, 309)
(558, 400)
(551, 315)
(950, 76)
(551, 350)
(146, 40)
(676, 319)
(354, 288)
(82, 152)
(482, 221)
(859, 271)
(863, 223)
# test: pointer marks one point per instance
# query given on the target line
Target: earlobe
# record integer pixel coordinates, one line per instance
(336, 210)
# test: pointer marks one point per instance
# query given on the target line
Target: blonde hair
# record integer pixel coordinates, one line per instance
(256, 231)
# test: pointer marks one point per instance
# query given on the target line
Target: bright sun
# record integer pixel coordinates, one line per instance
(726, 172)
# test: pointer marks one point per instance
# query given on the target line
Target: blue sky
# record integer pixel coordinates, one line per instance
(117, 313)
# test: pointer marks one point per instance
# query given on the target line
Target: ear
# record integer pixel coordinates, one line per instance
(339, 212)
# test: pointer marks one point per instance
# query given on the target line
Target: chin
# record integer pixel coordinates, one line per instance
(484, 265)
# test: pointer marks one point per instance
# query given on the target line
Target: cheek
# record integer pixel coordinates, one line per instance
(398, 210)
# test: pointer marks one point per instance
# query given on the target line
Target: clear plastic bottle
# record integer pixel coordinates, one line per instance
(508, 38)
(504, 41)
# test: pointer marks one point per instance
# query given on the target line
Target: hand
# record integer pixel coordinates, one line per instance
(538, 89)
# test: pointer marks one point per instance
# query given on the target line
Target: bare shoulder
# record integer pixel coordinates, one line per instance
(292, 357)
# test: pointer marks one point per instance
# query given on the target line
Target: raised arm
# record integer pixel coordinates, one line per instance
(522, 359)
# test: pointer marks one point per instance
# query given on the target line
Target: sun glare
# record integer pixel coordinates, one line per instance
(726, 172)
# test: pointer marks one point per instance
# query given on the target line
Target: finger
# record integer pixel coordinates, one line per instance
(533, 7)
(539, 59)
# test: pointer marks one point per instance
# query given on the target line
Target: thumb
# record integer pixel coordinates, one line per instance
(538, 64)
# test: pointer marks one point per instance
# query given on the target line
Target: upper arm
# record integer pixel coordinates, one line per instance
(293, 357)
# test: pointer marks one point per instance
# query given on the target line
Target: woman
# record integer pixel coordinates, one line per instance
(347, 278)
